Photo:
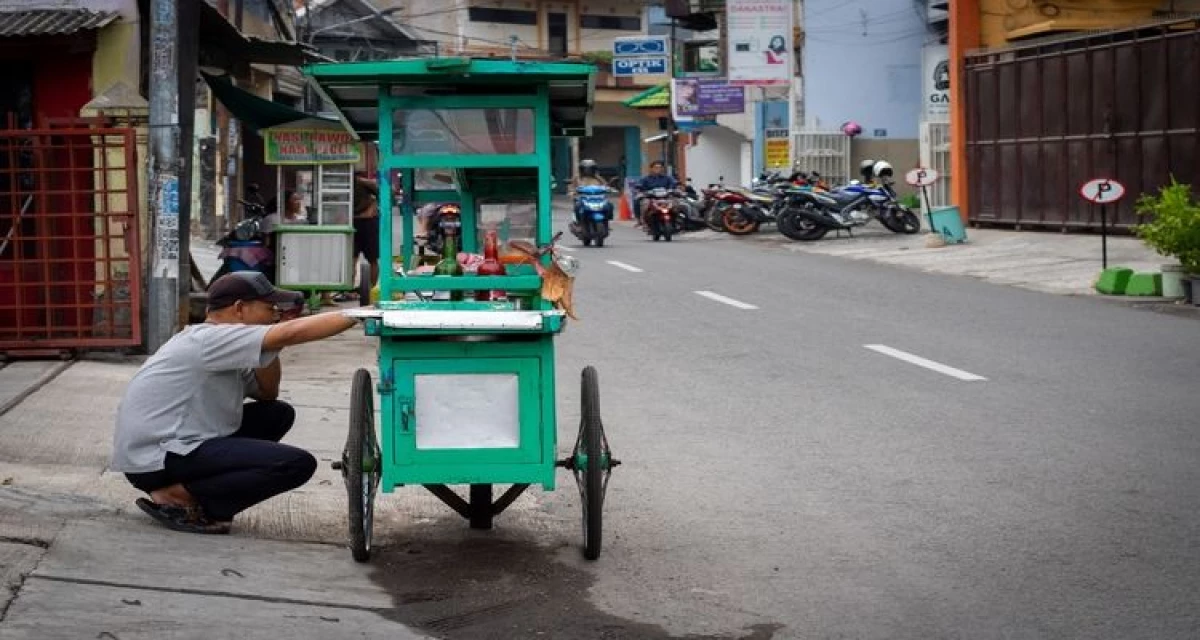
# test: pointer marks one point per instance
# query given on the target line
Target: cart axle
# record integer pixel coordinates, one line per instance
(570, 463)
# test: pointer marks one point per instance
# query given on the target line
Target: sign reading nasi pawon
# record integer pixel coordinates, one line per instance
(311, 146)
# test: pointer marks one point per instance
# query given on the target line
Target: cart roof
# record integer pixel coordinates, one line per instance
(353, 87)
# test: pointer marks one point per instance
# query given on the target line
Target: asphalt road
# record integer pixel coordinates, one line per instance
(812, 448)
(872, 452)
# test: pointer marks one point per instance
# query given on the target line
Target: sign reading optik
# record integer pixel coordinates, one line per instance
(640, 56)
(640, 66)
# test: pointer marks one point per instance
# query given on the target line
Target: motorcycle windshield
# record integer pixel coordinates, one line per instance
(592, 190)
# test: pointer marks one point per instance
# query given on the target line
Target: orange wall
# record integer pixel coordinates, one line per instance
(964, 36)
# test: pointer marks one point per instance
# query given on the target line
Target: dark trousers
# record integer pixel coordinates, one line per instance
(229, 475)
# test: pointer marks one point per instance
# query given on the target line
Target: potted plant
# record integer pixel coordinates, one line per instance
(1174, 230)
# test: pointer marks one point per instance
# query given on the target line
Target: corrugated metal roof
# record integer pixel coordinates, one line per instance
(52, 22)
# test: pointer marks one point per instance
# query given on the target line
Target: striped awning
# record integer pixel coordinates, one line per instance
(658, 97)
(52, 22)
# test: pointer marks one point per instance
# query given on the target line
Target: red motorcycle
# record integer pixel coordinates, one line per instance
(659, 220)
(736, 211)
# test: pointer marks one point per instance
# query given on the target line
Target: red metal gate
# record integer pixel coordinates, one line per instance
(1044, 118)
(70, 265)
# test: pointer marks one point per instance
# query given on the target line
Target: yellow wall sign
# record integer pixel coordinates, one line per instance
(777, 149)
(310, 146)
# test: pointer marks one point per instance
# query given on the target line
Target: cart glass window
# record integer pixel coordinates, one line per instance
(335, 193)
(505, 131)
(512, 220)
(434, 180)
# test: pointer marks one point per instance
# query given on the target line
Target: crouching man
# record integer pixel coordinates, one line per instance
(185, 434)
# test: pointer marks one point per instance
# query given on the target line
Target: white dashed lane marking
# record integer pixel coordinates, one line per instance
(723, 300)
(622, 265)
(923, 362)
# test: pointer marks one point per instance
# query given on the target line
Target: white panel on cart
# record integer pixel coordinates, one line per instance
(430, 319)
(468, 411)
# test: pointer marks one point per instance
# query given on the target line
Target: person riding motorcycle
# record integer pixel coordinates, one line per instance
(589, 178)
(657, 179)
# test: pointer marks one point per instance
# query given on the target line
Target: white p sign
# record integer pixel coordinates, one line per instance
(921, 177)
(1102, 191)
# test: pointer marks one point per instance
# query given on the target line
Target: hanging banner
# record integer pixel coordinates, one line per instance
(935, 71)
(692, 98)
(760, 41)
(778, 149)
(310, 146)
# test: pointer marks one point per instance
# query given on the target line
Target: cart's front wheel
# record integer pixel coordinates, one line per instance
(361, 465)
(364, 284)
(593, 464)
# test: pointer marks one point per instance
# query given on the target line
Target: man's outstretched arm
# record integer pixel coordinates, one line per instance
(308, 329)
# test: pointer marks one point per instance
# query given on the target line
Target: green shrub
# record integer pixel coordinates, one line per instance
(600, 58)
(1174, 226)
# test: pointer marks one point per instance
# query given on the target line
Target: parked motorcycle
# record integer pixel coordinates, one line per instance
(809, 215)
(691, 207)
(747, 210)
(246, 247)
(596, 210)
(659, 219)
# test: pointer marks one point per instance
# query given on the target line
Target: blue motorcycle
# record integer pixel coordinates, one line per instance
(592, 213)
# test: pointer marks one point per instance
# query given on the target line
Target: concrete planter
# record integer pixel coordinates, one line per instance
(1172, 280)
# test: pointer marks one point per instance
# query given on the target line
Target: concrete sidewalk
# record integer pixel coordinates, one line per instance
(79, 560)
(1052, 262)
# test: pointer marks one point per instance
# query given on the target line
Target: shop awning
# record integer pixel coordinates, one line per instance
(653, 98)
(254, 112)
(222, 40)
(52, 22)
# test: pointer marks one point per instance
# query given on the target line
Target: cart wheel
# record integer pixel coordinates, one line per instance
(481, 506)
(361, 465)
(592, 464)
(364, 284)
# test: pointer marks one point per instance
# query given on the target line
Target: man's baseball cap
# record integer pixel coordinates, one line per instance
(246, 286)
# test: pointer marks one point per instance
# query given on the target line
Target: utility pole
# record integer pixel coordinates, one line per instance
(164, 168)
(173, 44)
(794, 70)
(672, 127)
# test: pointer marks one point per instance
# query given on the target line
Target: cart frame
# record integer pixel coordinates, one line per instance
(466, 388)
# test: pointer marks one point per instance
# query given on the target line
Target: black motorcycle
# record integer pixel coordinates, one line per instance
(692, 209)
(809, 215)
(247, 246)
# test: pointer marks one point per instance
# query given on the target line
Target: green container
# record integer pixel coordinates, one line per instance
(1145, 284)
(1114, 280)
(948, 222)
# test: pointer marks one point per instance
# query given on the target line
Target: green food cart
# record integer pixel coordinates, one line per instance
(315, 158)
(466, 387)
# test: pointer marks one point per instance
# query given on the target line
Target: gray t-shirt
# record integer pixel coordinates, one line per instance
(190, 391)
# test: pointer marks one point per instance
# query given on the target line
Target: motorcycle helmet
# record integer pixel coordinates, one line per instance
(866, 169)
(587, 168)
(851, 128)
(883, 171)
